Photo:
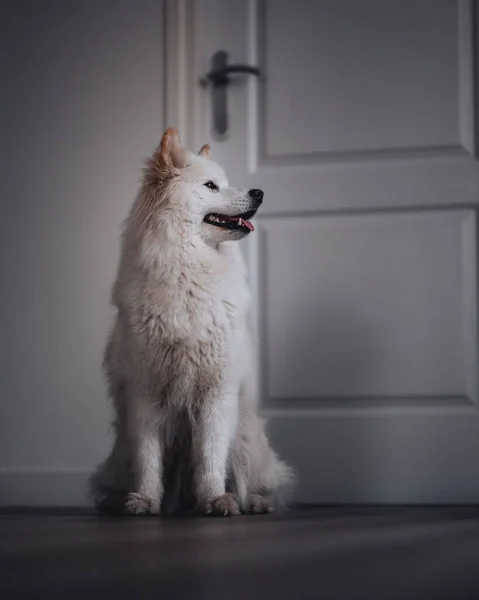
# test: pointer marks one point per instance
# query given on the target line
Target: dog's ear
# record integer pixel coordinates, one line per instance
(171, 151)
(205, 151)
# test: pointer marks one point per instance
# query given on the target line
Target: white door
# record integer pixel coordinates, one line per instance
(363, 136)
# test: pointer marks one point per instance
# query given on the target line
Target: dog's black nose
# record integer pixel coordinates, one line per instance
(257, 195)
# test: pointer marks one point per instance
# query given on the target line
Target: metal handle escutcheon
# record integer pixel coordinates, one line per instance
(219, 78)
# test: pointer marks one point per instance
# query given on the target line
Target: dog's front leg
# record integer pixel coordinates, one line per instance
(212, 438)
(147, 459)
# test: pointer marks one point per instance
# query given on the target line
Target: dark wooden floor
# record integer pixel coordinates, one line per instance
(350, 553)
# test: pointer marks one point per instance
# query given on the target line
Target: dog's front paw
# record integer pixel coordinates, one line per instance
(258, 504)
(223, 506)
(139, 505)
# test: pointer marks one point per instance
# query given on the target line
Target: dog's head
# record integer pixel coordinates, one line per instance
(192, 188)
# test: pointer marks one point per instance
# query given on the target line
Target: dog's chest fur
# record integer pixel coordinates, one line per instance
(190, 325)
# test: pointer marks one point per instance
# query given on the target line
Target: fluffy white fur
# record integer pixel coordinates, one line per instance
(187, 431)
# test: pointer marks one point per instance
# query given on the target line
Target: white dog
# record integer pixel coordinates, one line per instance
(187, 431)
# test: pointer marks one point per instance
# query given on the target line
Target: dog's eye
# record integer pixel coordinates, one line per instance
(210, 184)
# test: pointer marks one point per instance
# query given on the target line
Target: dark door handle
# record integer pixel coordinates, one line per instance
(219, 78)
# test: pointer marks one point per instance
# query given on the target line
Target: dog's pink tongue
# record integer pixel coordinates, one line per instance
(247, 224)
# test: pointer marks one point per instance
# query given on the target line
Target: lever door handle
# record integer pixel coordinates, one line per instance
(219, 78)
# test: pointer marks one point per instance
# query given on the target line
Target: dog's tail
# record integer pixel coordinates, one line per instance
(286, 479)
(256, 469)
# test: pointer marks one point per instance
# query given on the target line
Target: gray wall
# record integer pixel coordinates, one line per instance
(81, 106)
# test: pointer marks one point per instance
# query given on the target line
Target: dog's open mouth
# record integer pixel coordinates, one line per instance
(239, 222)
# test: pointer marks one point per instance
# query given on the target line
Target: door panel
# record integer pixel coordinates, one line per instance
(365, 306)
(364, 262)
(322, 63)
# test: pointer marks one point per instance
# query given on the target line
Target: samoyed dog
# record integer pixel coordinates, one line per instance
(188, 436)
